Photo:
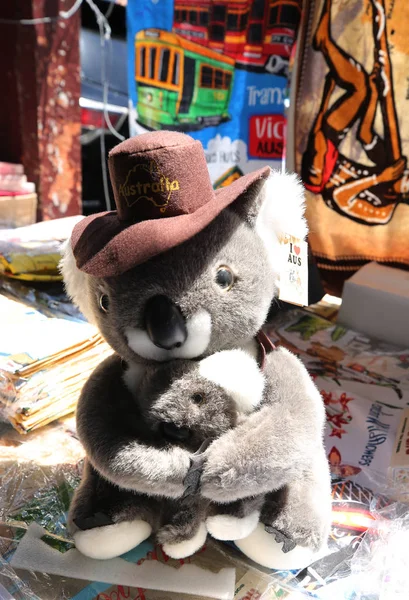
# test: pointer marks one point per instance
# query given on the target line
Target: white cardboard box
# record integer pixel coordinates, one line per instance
(17, 211)
(375, 301)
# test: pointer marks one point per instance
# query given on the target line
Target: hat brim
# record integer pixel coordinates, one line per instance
(104, 246)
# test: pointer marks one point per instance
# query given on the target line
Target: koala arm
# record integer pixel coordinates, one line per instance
(104, 407)
(275, 444)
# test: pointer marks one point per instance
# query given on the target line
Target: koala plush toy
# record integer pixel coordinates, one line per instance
(186, 404)
(178, 274)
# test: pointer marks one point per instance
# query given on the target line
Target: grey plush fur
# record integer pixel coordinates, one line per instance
(186, 274)
(279, 446)
(176, 394)
(168, 395)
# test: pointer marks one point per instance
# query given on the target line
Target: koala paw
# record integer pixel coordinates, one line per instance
(282, 537)
(309, 530)
(236, 468)
(185, 548)
(262, 548)
(112, 540)
(220, 485)
(229, 527)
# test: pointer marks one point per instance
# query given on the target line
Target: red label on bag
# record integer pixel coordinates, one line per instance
(267, 136)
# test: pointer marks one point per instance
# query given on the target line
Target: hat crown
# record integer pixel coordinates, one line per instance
(159, 174)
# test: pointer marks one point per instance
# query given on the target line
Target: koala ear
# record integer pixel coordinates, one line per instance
(76, 282)
(273, 207)
(238, 374)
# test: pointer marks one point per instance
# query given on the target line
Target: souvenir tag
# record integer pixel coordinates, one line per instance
(293, 280)
(398, 472)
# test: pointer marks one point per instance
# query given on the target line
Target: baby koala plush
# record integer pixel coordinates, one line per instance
(186, 404)
(180, 272)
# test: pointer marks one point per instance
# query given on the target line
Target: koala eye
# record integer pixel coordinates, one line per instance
(225, 278)
(198, 398)
(104, 303)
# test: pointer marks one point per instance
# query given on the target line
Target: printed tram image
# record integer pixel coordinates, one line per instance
(181, 85)
(258, 34)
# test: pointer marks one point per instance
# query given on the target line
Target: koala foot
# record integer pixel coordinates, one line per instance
(229, 528)
(305, 517)
(281, 537)
(112, 540)
(178, 550)
(262, 548)
(309, 533)
(303, 521)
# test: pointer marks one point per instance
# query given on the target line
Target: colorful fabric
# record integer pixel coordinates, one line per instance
(217, 70)
(352, 133)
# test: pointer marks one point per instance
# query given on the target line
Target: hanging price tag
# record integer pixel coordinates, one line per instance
(294, 271)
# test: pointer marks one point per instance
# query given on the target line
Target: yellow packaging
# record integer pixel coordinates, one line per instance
(33, 267)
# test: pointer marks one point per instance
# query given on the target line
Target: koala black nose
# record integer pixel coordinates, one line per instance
(164, 323)
(171, 432)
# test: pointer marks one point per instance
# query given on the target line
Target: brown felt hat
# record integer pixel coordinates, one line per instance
(163, 196)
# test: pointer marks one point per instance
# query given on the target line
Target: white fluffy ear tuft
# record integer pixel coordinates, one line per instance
(282, 207)
(75, 281)
(238, 374)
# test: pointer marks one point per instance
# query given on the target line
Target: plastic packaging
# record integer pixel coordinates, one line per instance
(11, 586)
(44, 362)
(365, 526)
(33, 252)
(380, 566)
(49, 299)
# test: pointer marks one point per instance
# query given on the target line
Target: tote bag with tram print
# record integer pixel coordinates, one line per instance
(217, 70)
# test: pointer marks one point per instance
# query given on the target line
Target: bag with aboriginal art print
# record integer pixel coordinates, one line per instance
(352, 134)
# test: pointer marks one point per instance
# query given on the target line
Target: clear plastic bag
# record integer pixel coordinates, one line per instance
(354, 566)
(363, 546)
(380, 566)
(11, 586)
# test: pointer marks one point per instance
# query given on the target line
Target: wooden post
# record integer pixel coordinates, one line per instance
(39, 106)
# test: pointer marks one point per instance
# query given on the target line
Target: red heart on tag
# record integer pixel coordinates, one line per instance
(297, 249)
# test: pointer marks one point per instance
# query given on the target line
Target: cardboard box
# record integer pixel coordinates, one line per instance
(17, 211)
(398, 473)
(376, 302)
